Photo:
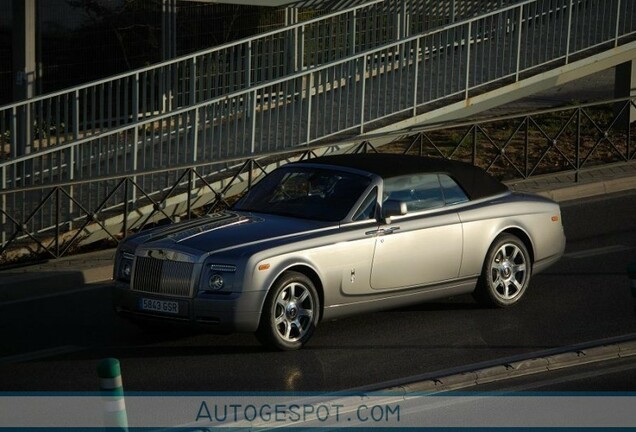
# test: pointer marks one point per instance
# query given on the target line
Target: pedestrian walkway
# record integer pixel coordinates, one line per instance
(76, 272)
(591, 181)
(56, 275)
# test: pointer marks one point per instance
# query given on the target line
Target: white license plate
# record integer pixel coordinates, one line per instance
(164, 306)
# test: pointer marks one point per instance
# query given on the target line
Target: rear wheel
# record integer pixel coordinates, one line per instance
(506, 272)
(290, 314)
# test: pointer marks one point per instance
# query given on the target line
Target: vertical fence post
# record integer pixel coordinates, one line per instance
(74, 153)
(189, 196)
(253, 114)
(301, 48)
(417, 71)
(135, 143)
(291, 40)
(75, 113)
(248, 65)
(297, 61)
(618, 20)
(193, 119)
(310, 87)
(363, 90)
(569, 36)
(250, 168)
(578, 144)
(248, 79)
(519, 29)
(195, 133)
(452, 11)
(468, 36)
(125, 224)
(352, 34)
(193, 81)
(527, 148)
(14, 132)
(57, 222)
(195, 150)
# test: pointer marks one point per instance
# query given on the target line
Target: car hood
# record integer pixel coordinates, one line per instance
(225, 230)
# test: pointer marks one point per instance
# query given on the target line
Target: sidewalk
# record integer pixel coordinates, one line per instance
(78, 271)
(592, 182)
(56, 275)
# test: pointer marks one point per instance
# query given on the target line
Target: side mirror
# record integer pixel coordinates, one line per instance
(393, 208)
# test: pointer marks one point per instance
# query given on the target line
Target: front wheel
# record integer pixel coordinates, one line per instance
(290, 313)
(506, 272)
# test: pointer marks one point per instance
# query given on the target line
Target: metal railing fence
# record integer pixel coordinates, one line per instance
(521, 146)
(89, 110)
(342, 98)
(329, 103)
(54, 219)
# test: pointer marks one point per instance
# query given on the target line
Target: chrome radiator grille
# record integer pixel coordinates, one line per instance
(162, 277)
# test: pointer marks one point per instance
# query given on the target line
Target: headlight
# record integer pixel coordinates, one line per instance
(126, 269)
(125, 266)
(216, 282)
(217, 278)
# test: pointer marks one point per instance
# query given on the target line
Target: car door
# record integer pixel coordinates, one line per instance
(424, 246)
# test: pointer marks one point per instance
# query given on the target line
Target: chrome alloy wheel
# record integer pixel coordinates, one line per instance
(294, 312)
(508, 272)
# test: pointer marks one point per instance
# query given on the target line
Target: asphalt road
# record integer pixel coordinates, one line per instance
(54, 343)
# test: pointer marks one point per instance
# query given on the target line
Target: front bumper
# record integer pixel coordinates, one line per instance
(234, 312)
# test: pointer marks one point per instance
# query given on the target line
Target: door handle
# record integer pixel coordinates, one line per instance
(390, 230)
(383, 231)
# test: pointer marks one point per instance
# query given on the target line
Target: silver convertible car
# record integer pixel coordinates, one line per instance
(336, 236)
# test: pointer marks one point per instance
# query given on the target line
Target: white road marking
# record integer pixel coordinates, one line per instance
(597, 251)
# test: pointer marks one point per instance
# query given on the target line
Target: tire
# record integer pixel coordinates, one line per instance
(290, 314)
(506, 273)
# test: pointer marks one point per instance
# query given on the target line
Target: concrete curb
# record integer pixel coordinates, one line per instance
(587, 190)
(396, 394)
(518, 369)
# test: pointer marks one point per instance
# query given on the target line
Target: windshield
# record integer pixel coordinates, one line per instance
(308, 193)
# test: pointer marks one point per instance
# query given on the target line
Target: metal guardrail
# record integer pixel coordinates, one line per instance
(567, 139)
(90, 110)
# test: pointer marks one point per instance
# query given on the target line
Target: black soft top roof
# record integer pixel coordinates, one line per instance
(474, 180)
